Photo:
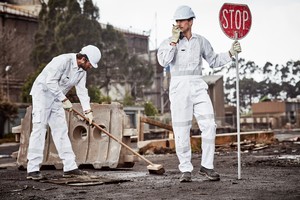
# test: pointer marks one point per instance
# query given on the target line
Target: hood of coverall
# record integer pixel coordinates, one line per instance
(93, 54)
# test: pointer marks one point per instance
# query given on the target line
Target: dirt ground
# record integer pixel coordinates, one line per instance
(270, 173)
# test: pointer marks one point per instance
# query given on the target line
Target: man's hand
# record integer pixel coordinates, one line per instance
(89, 115)
(235, 48)
(175, 34)
(67, 105)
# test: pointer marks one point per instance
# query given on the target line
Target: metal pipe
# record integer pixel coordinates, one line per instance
(238, 112)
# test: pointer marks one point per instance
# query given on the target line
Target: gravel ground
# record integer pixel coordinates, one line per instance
(270, 173)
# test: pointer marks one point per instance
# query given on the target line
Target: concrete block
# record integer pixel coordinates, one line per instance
(90, 145)
(24, 139)
(129, 132)
(97, 154)
(79, 135)
(113, 122)
(17, 131)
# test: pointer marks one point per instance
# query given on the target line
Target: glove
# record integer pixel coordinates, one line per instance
(235, 48)
(175, 34)
(89, 115)
(67, 105)
(80, 118)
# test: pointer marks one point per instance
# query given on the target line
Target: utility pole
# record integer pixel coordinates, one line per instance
(7, 68)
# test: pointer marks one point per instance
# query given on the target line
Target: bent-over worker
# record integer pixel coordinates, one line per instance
(49, 103)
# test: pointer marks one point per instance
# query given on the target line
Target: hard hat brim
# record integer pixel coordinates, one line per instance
(183, 18)
(94, 65)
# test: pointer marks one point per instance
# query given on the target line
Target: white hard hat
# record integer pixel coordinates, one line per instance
(93, 54)
(183, 12)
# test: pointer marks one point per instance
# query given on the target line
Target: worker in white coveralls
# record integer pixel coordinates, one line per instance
(183, 52)
(49, 104)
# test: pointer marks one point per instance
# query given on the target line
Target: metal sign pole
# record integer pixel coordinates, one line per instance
(238, 111)
(231, 16)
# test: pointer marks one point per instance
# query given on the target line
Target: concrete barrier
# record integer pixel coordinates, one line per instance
(26, 127)
(99, 142)
(89, 144)
(79, 135)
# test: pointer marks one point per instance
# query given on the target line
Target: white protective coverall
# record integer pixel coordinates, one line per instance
(189, 96)
(48, 92)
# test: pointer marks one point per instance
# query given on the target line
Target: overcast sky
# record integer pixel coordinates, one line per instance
(274, 35)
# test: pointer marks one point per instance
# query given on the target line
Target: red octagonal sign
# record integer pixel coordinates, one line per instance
(235, 20)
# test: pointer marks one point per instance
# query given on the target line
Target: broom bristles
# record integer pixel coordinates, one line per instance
(156, 169)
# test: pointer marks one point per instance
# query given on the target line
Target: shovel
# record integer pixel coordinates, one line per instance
(152, 168)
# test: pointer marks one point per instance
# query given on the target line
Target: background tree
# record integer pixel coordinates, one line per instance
(114, 55)
(67, 26)
(150, 109)
(137, 74)
(64, 27)
(249, 89)
(8, 111)
(278, 82)
(117, 66)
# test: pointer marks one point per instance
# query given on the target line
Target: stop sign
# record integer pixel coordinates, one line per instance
(235, 20)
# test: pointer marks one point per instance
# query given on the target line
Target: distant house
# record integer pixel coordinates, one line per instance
(267, 115)
(230, 115)
(18, 25)
(276, 114)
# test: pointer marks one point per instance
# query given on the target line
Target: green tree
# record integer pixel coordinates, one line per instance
(279, 82)
(8, 111)
(26, 98)
(150, 109)
(114, 55)
(94, 94)
(64, 27)
(117, 66)
(248, 91)
(269, 89)
(137, 74)
(128, 100)
(67, 26)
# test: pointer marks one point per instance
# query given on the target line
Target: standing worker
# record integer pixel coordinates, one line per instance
(48, 104)
(183, 52)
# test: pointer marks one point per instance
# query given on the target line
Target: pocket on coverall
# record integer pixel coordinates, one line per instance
(36, 116)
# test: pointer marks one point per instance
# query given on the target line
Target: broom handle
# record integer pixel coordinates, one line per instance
(113, 137)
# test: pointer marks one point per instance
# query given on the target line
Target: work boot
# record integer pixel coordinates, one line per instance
(36, 175)
(74, 172)
(186, 177)
(209, 173)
